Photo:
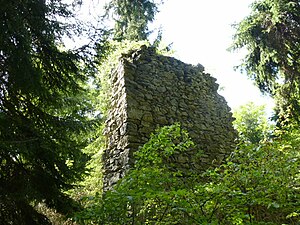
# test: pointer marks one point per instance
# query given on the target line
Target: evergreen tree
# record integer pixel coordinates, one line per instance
(43, 122)
(132, 18)
(271, 34)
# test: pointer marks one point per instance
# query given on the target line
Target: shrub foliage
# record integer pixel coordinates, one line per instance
(257, 184)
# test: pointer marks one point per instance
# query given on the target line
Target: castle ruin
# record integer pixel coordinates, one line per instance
(151, 90)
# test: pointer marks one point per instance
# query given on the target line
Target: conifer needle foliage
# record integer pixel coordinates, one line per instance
(43, 110)
(271, 35)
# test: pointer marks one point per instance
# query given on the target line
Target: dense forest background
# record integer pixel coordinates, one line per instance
(54, 100)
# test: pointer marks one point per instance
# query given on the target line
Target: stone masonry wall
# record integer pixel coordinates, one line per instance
(151, 90)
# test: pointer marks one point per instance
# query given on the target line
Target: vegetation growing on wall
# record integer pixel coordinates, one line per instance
(92, 182)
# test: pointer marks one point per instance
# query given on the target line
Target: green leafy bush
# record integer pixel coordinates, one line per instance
(258, 184)
(252, 123)
(152, 192)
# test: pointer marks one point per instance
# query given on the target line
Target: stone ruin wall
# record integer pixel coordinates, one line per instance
(151, 90)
